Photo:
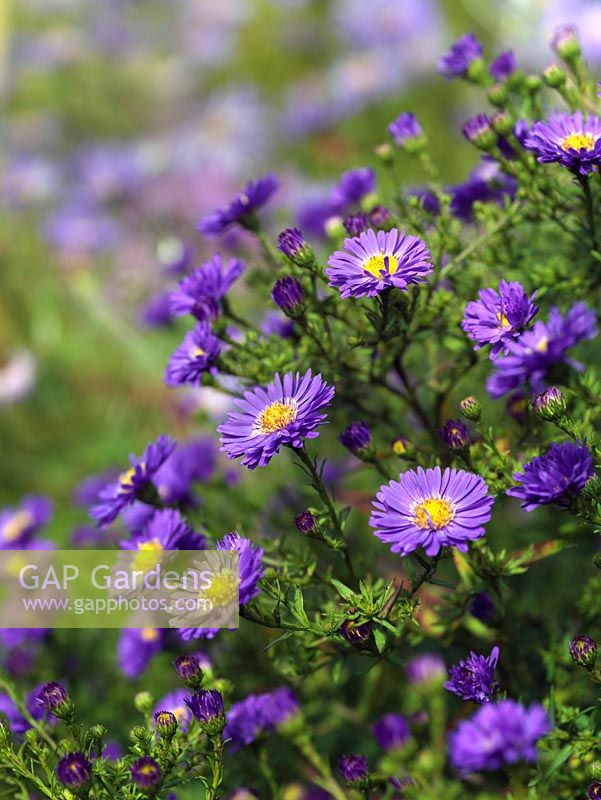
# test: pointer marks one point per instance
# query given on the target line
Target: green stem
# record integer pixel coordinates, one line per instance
(589, 208)
(217, 765)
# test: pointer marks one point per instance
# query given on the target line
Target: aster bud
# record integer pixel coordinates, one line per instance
(533, 83)
(207, 708)
(479, 132)
(554, 76)
(305, 522)
(143, 702)
(566, 43)
(146, 774)
(583, 650)
(334, 228)
(356, 223)
(74, 771)
(165, 723)
(140, 736)
(353, 769)
(380, 217)
(287, 293)
(550, 405)
(53, 698)
(408, 133)
(189, 670)
(455, 434)
(357, 634)
(357, 438)
(498, 95)
(470, 408)
(502, 123)
(294, 246)
(384, 153)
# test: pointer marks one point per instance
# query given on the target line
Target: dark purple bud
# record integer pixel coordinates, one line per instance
(583, 650)
(356, 223)
(391, 731)
(380, 217)
(53, 697)
(353, 768)
(405, 128)
(356, 633)
(207, 707)
(74, 770)
(305, 522)
(478, 131)
(503, 66)
(454, 434)
(294, 246)
(356, 438)
(594, 790)
(482, 607)
(287, 293)
(165, 723)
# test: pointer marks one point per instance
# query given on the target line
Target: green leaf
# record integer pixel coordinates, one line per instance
(343, 591)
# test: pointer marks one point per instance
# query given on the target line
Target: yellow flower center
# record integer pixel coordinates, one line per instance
(149, 634)
(276, 417)
(180, 713)
(126, 479)
(375, 265)
(198, 352)
(579, 141)
(543, 345)
(223, 589)
(148, 555)
(503, 321)
(399, 447)
(435, 512)
(16, 525)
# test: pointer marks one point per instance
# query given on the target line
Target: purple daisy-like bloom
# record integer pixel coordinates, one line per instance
(74, 770)
(462, 54)
(567, 139)
(353, 186)
(195, 356)
(555, 477)
(241, 208)
(259, 713)
(122, 492)
(146, 773)
(136, 648)
(431, 509)
(426, 668)
(473, 678)
(250, 572)
(191, 461)
(353, 768)
(486, 184)
(533, 354)
(19, 525)
(175, 703)
(200, 293)
(166, 530)
(498, 734)
(499, 316)
(391, 731)
(285, 412)
(503, 66)
(405, 127)
(378, 260)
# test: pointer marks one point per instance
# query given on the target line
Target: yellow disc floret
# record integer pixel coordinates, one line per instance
(434, 512)
(17, 525)
(579, 141)
(381, 263)
(149, 634)
(223, 589)
(148, 555)
(276, 417)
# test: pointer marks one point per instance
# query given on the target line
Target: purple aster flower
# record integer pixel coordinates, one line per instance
(473, 678)
(392, 731)
(191, 461)
(196, 355)
(129, 486)
(533, 354)
(486, 184)
(353, 186)
(242, 207)
(498, 734)
(594, 790)
(583, 650)
(425, 669)
(353, 768)
(175, 703)
(166, 530)
(305, 522)
(250, 573)
(499, 316)
(555, 477)
(315, 215)
(200, 293)
(19, 525)
(287, 293)
(356, 437)
(146, 773)
(455, 434)
(53, 697)
(378, 260)
(74, 770)
(567, 139)
(294, 246)
(257, 714)
(275, 324)
(503, 66)
(136, 648)
(285, 412)
(355, 224)
(157, 311)
(462, 54)
(482, 607)
(431, 509)
(206, 705)
(80, 229)
(404, 128)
